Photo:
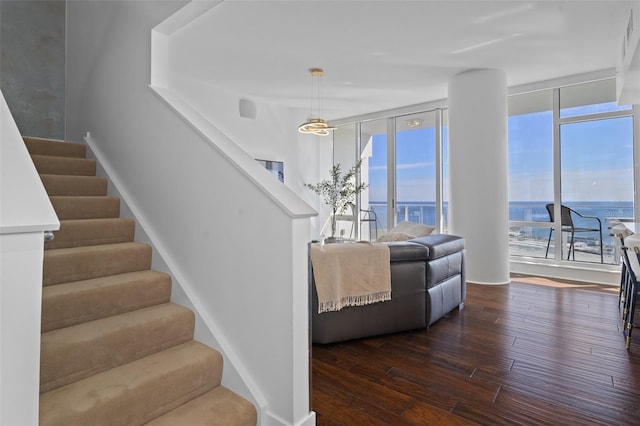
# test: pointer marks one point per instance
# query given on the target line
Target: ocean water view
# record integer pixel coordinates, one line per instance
(530, 240)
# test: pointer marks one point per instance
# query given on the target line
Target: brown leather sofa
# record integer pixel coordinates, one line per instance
(427, 282)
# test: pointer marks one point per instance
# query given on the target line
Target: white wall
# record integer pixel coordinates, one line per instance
(25, 213)
(270, 136)
(228, 244)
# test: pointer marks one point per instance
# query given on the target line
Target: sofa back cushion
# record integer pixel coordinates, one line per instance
(406, 231)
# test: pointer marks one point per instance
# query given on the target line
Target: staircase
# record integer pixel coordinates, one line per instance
(114, 349)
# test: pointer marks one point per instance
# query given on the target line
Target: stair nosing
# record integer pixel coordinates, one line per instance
(55, 317)
(114, 328)
(141, 374)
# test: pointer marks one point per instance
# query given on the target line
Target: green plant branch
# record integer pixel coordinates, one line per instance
(340, 190)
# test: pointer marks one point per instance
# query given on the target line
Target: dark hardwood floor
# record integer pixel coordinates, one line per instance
(534, 352)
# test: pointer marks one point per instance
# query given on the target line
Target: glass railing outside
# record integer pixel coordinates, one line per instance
(531, 241)
(423, 212)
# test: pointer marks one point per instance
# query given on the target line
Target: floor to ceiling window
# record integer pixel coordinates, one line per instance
(530, 139)
(344, 154)
(571, 151)
(415, 168)
(402, 165)
(374, 152)
(568, 146)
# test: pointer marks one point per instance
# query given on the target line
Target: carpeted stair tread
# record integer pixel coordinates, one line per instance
(48, 164)
(74, 185)
(135, 393)
(73, 353)
(68, 304)
(42, 146)
(85, 207)
(89, 232)
(83, 263)
(218, 407)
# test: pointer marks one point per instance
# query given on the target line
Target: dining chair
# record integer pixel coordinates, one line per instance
(631, 257)
(568, 225)
(348, 216)
(369, 215)
(619, 233)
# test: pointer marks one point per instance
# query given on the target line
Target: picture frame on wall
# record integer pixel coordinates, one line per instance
(276, 168)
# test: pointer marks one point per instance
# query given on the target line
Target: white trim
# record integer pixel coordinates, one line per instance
(184, 16)
(569, 80)
(392, 196)
(513, 90)
(636, 161)
(395, 112)
(273, 420)
(583, 273)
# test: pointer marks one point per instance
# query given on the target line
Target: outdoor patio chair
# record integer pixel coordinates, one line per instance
(568, 226)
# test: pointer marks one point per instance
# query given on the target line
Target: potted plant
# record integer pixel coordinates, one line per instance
(338, 192)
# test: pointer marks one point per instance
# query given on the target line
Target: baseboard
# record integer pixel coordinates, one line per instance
(270, 419)
(595, 274)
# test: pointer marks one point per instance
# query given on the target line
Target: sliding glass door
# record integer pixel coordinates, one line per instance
(374, 152)
(415, 168)
(402, 165)
(597, 183)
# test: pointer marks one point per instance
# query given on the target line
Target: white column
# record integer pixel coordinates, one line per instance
(478, 172)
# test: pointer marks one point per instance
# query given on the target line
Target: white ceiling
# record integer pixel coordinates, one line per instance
(379, 55)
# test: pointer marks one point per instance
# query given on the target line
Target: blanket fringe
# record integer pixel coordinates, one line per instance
(336, 305)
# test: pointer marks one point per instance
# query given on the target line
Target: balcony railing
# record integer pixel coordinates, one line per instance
(529, 226)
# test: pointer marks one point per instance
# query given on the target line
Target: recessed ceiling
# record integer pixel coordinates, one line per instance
(379, 55)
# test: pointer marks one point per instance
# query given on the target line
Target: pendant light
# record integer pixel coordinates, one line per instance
(316, 125)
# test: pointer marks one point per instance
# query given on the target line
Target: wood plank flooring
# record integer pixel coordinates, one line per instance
(534, 352)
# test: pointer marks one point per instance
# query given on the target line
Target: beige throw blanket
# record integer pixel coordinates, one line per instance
(350, 274)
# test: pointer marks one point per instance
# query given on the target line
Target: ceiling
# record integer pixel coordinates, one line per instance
(379, 55)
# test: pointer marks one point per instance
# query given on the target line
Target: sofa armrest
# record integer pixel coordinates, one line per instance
(440, 245)
(407, 251)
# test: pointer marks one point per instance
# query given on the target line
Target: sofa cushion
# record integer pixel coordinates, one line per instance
(395, 236)
(443, 268)
(444, 298)
(412, 228)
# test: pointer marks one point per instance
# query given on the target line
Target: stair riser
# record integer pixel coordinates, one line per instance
(229, 409)
(75, 264)
(64, 166)
(148, 388)
(73, 353)
(74, 185)
(68, 208)
(80, 233)
(68, 304)
(40, 146)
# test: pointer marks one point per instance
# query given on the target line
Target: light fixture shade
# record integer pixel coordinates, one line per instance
(316, 126)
